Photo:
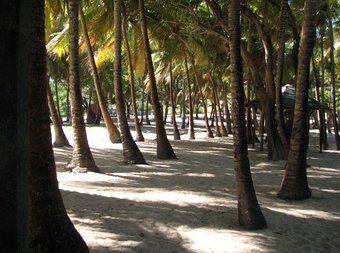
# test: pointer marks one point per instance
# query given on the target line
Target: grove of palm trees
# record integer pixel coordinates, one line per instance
(170, 126)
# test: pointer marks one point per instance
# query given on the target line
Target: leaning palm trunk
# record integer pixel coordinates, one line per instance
(250, 214)
(139, 134)
(111, 127)
(295, 184)
(164, 148)
(131, 152)
(60, 137)
(82, 159)
(50, 229)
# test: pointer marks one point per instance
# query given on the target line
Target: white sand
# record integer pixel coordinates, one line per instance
(190, 204)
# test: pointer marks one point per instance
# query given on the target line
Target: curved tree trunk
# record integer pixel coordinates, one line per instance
(177, 135)
(139, 134)
(111, 127)
(60, 137)
(294, 184)
(131, 152)
(82, 159)
(164, 148)
(50, 229)
(249, 212)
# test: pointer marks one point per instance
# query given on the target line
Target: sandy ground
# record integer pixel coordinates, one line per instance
(190, 204)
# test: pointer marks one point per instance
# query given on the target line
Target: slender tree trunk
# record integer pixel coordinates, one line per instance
(131, 152)
(191, 132)
(60, 137)
(333, 88)
(206, 120)
(57, 101)
(111, 127)
(82, 159)
(294, 184)
(164, 148)
(250, 214)
(279, 76)
(184, 110)
(177, 135)
(139, 134)
(217, 128)
(50, 229)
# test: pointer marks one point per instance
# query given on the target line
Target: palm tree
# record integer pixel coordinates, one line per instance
(294, 184)
(50, 229)
(82, 159)
(131, 152)
(111, 127)
(164, 148)
(250, 214)
(60, 137)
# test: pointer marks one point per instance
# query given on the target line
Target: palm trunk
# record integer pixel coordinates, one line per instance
(191, 132)
(250, 214)
(139, 134)
(111, 128)
(131, 152)
(294, 184)
(82, 159)
(177, 135)
(333, 88)
(279, 76)
(60, 137)
(207, 126)
(164, 148)
(50, 229)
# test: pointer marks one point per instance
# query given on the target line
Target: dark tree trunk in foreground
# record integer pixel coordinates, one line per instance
(295, 185)
(60, 137)
(131, 152)
(50, 229)
(82, 159)
(15, 21)
(250, 214)
(164, 148)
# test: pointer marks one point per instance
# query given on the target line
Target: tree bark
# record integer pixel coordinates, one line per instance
(15, 23)
(294, 184)
(131, 152)
(250, 214)
(82, 159)
(50, 229)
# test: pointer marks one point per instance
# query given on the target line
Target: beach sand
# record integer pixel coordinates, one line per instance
(190, 204)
